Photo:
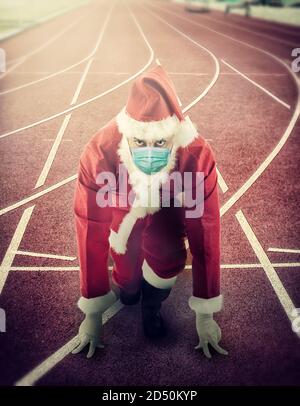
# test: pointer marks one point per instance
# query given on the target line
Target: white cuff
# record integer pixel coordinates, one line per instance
(206, 306)
(160, 283)
(96, 304)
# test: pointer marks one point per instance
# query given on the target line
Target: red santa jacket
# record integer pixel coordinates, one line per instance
(97, 228)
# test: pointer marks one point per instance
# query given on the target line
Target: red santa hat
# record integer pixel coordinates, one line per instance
(153, 112)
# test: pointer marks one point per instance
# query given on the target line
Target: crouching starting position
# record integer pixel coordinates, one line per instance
(126, 205)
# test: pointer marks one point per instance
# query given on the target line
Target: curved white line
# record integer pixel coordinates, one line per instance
(279, 30)
(37, 195)
(51, 75)
(243, 189)
(77, 106)
(43, 46)
(264, 24)
(46, 19)
(73, 177)
(260, 34)
(217, 65)
(263, 89)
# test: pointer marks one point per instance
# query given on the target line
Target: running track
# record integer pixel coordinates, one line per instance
(68, 77)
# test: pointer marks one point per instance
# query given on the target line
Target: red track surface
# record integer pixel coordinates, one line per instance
(244, 125)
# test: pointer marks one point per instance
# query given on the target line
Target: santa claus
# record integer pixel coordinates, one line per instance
(120, 210)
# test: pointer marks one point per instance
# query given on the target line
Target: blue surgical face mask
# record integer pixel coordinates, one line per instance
(150, 159)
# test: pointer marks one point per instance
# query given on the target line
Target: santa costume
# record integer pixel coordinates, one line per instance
(146, 240)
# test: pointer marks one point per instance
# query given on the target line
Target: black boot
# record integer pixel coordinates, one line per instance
(153, 324)
(129, 298)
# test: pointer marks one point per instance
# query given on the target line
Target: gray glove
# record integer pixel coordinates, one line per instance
(90, 330)
(209, 333)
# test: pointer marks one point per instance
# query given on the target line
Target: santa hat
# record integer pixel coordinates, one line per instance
(153, 112)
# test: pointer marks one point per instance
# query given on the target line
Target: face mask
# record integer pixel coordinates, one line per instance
(150, 159)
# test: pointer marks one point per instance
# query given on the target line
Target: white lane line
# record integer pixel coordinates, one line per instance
(239, 27)
(264, 26)
(262, 167)
(179, 101)
(270, 272)
(274, 264)
(14, 245)
(43, 255)
(287, 106)
(291, 251)
(43, 268)
(229, 73)
(20, 230)
(37, 373)
(49, 363)
(85, 72)
(46, 19)
(73, 177)
(49, 161)
(190, 21)
(43, 46)
(243, 189)
(79, 105)
(37, 195)
(9, 256)
(217, 66)
(74, 72)
(52, 139)
(51, 75)
(76, 268)
(157, 61)
(259, 34)
(222, 182)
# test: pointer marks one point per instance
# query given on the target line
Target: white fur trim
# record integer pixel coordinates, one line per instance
(184, 132)
(150, 130)
(155, 280)
(118, 241)
(96, 304)
(206, 306)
